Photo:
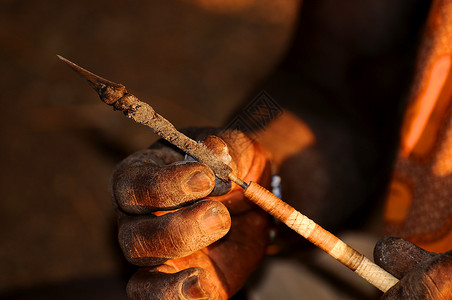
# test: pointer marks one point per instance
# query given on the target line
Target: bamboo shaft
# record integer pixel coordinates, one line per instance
(320, 237)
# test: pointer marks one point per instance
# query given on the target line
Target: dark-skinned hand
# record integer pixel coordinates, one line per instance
(190, 246)
(423, 275)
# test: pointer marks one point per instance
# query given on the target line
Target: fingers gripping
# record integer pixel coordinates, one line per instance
(424, 275)
(399, 256)
(150, 240)
(430, 280)
(152, 181)
(143, 184)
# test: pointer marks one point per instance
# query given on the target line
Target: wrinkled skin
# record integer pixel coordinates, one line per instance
(205, 249)
(190, 248)
(423, 275)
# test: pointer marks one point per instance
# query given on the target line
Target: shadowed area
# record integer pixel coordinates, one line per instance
(338, 67)
(60, 143)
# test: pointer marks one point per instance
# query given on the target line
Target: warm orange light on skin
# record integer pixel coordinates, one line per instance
(418, 204)
(284, 137)
(440, 245)
(421, 112)
(399, 202)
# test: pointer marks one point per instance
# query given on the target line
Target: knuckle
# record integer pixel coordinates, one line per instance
(129, 190)
(136, 244)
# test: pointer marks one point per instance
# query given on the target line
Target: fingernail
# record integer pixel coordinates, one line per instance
(218, 147)
(198, 182)
(212, 221)
(191, 288)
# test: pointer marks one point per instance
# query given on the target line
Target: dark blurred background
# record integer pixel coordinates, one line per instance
(195, 61)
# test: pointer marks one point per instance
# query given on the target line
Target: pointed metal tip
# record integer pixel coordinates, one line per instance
(93, 79)
(98, 83)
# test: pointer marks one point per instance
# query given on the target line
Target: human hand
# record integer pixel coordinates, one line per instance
(190, 248)
(423, 275)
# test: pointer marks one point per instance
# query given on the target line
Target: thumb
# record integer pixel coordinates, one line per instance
(398, 256)
(140, 185)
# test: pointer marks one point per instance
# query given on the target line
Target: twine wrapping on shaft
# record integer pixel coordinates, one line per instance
(320, 237)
